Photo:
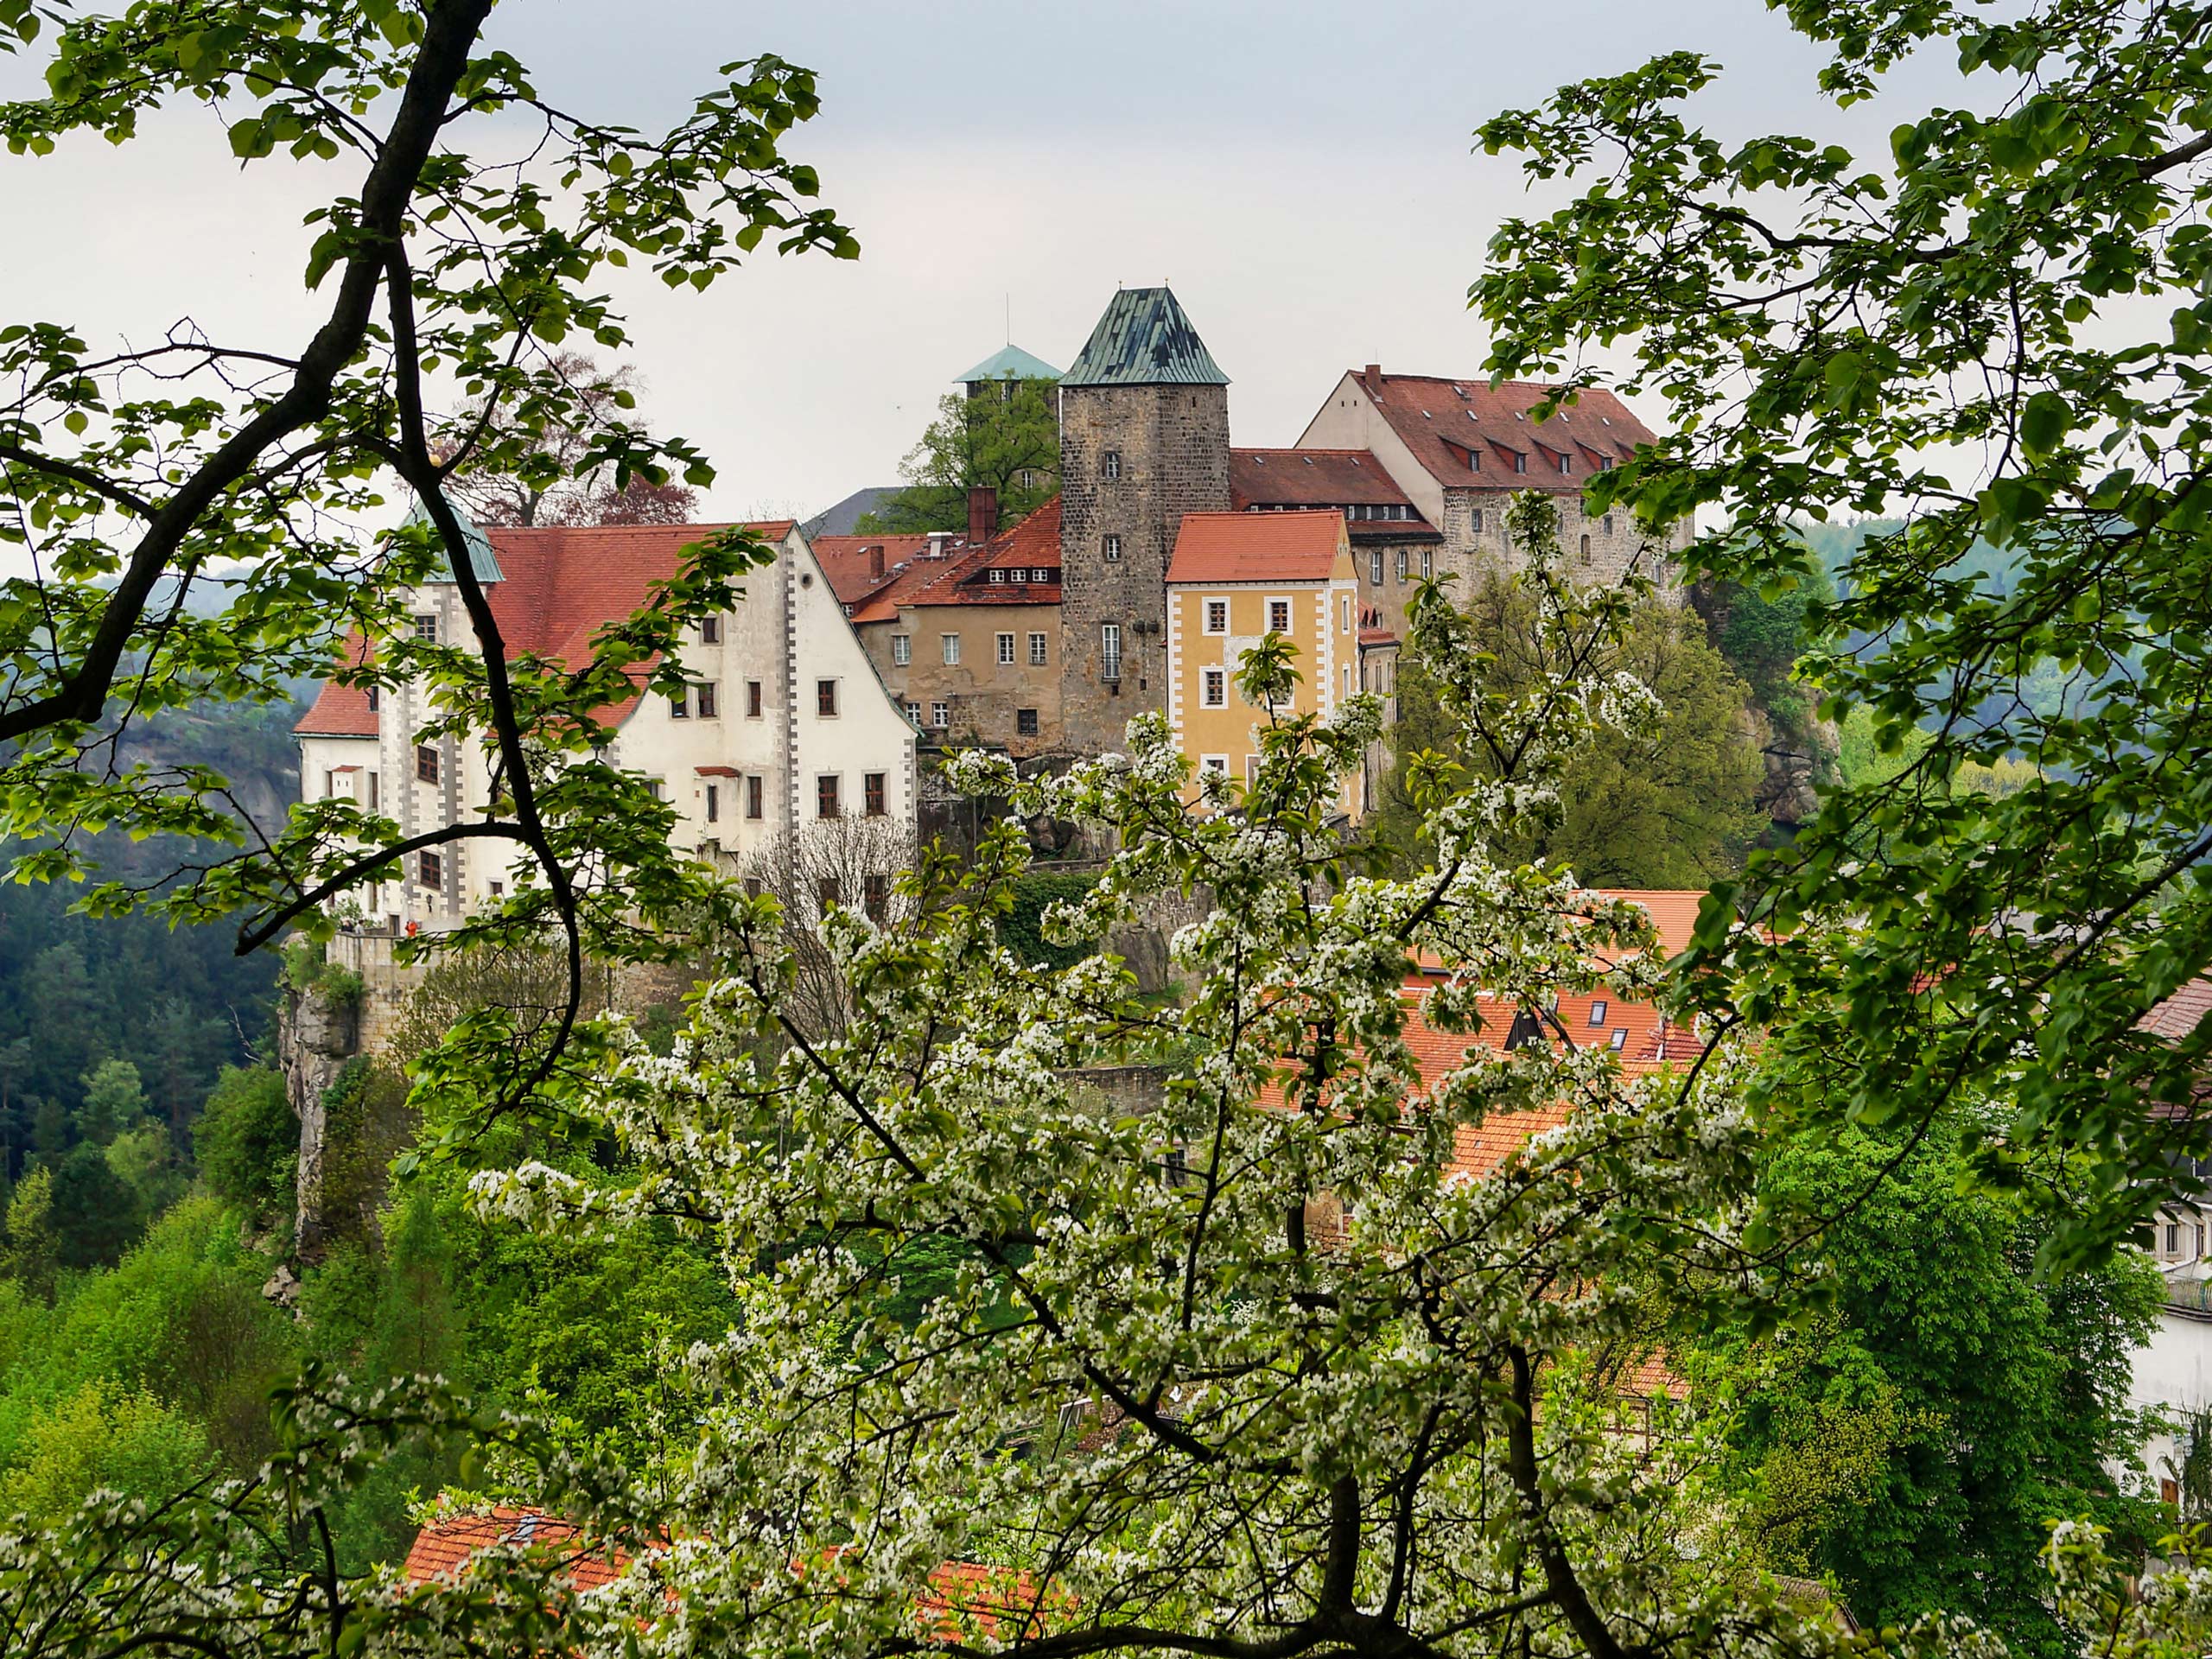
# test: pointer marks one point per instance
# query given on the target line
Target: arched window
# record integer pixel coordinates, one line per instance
(1586, 549)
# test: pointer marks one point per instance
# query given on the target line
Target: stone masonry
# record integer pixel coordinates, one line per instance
(1172, 442)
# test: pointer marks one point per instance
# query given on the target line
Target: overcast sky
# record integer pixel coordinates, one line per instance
(1300, 172)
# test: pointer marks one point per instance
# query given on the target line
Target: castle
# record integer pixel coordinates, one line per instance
(1139, 587)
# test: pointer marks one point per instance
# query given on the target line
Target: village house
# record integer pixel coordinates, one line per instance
(784, 730)
(966, 632)
(1461, 449)
(1235, 578)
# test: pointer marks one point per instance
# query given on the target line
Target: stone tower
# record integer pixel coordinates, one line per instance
(1144, 439)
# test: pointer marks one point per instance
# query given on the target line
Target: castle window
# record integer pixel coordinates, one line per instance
(948, 646)
(1043, 575)
(1037, 650)
(1375, 566)
(875, 891)
(1344, 613)
(827, 790)
(1565, 464)
(1474, 460)
(825, 698)
(679, 704)
(940, 714)
(373, 699)
(872, 793)
(430, 871)
(714, 804)
(1216, 616)
(998, 576)
(1109, 464)
(829, 892)
(426, 629)
(1520, 462)
(902, 650)
(754, 792)
(1110, 550)
(1585, 548)
(1428, 565)
(1217, 765)
(752, 699)
(1278, 615)
(1109, 652)
(1608, 523)
(1402, 564)
(710, 697)
(710, 631)
(372, 791)
(426, 763)
(1025, 723)
(754, 887)
(1006, 651)
(914, 712)
(1214, 688)
(1476, 521)
(1019, 573)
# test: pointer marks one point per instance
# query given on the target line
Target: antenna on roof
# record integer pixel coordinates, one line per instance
(1009, 319)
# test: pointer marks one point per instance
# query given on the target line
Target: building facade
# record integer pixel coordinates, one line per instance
(1144, 440)
(1235, 579)
(784, 730)
(1461, 449)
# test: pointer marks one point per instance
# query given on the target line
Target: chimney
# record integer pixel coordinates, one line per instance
(875, 563)
(982, 514)
(1374, 379)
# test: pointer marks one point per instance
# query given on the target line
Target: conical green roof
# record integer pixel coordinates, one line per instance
(482, 559)
(1010, 363)
(1144, 339)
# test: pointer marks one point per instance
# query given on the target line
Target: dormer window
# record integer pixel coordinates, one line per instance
(1520, 462)
(998, 576)
(1565, 464)
(1042, 575)
(1018, 574)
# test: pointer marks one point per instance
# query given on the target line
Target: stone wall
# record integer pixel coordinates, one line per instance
(1173, 441)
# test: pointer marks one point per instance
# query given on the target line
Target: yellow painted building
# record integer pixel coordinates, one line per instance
(1234, 578)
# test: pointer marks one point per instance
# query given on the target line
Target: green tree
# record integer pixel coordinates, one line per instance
(1912, 1441)
(115, 1101)
(95, 1216)
(32, 1249)
(136, 471)
(1667, 800)
(96, 1438)
(247, 1143)
(1993, 329)
(1008, 439)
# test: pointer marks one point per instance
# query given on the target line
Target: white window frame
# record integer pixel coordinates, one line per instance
(949, 648)
(1344, 613)
(1110, 549)
(1109, 652)
(1038, 651)
(1289, 614)
(1006, 651)
(940, 716)
(1213, 687)
(902, 650)
(1109, 465)
(1214, 763)
(1206, 613)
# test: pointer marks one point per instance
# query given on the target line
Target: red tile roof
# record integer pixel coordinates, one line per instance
(1445, 423)
(560, 585)
(1271, 479)
(849, 561)
(1032, 545)
(1257, 547)
(341, 711)
(444, 1547)
(2180, 1014)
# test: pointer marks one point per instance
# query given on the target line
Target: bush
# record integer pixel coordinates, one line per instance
(248, 1143)
(1023, 930)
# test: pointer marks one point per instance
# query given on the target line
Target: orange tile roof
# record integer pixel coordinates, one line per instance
(445, 1545)
(1257, 547)
(341, 711)
(1445, 423)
